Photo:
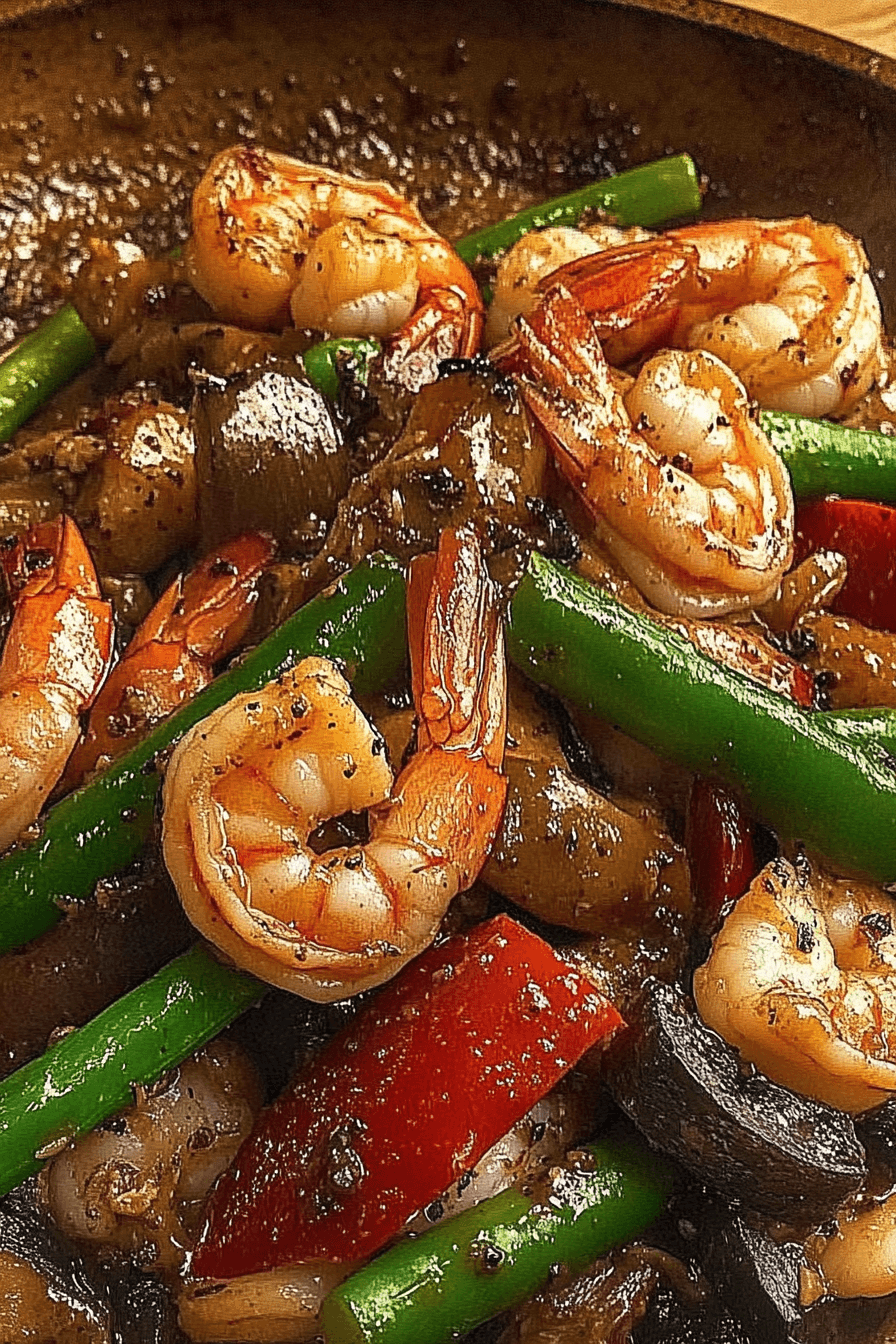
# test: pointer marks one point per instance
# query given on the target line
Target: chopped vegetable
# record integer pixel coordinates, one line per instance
(826, 459)
(403, 1102)
(796, 1157)
(88, 1075)
(322, 362)
(102, 827)
(826, 778)
(41, 363)
(497, 1254)
(650, 194)
(720, 850)
(865, 533)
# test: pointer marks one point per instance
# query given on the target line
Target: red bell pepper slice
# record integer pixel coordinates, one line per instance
(402, 1102)
(720, 850)
(866, 534)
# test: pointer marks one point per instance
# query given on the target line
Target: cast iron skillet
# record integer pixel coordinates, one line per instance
(109, 111)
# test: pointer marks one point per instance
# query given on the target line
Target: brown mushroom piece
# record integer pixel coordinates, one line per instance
(466, 454)
(270, 457)
(571, 855)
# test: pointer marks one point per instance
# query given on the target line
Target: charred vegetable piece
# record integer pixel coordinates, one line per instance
(759, 1144)
(100, 829)
(40, 364)
(650, 194)
(758, 1276)
(48, 1294)
(865, 533)
(87, 961)
(827, 459)
(403, 1102)
(465, 1271)
(89, 1074)
(826, 778)
(269, 458)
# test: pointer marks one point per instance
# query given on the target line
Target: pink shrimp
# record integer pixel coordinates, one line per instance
(246, 788)
(54, 661)
(196, 622)
(274, 238)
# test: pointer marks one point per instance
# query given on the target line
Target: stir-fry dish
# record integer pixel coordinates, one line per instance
(448, 809)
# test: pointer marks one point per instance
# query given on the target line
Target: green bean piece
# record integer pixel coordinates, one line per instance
(828, 779)
(828, 459)
(650, 194)
(97, 830)
(322, 362)
(496, 1255)
(89, 1074)
(43, 361)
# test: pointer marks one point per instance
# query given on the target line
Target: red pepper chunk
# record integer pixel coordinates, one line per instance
(866, 534)
(403, 1101)
(720, 850)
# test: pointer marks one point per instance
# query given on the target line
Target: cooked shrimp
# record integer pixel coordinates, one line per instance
(788, 304)
(534, 257)
(685, 488)
(855, 1259)
(801, 981)
(56, 654)
(247, 787)
(196, 622)
(273, 237)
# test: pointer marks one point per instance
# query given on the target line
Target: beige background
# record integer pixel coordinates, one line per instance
(872, 23)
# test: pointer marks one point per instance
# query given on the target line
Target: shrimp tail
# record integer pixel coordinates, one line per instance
(55, 658)
(632, 287)
(197, 621)
(574, 402)
(458, 671)
(447, 324)
(457, 649)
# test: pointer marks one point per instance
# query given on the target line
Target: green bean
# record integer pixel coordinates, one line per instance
(102, 827)
(89, 1074)
(322, 362)
(437, 1286)
(828, 459)
(828, 779)
(43, 361)
(650, 194)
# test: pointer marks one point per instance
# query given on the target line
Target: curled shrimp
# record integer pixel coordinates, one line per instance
(199, 618)
(273, 237)
(247, 787)
(533, 258)
(788, 304)
(682, 482)
(54, 660)
(801, 981)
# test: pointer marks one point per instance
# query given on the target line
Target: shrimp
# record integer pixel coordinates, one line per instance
(534, 257)
(857, 1258)
(788, 304)
(196, 621)
(684, 487)
(273, 237)
(801, 981)
(55, 658)
(246, 788)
